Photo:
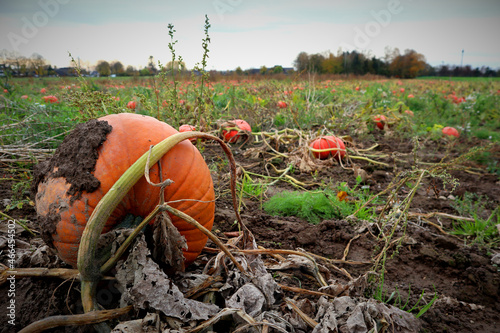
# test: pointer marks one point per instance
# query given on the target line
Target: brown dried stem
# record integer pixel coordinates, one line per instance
(92, 317)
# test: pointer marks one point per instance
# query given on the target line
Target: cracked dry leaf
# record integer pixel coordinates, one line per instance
(303, 160)
(326, 316)
(334, 288)
(298, 263)
(255, 291)
(189, 280)
(248, 298)
(293, 261)
(356, 322)
(144, 285)
(366, 313)
(343, 304)
(404, 321)
(168, 243)
(359, 315)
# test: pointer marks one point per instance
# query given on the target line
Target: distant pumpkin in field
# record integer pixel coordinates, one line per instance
(231, 130)
(380, 121)
(132, 105)
(450, 131)
(335, 146)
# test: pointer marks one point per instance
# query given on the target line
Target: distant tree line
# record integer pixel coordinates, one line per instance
(408, 64)
(14, 64)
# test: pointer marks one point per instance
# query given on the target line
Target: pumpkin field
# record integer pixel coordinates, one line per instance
(239, 203)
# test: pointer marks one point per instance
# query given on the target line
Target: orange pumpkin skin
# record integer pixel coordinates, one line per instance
(328, 142)
(380, 121)
(339, 144)
(450, 131)
(130, 138)
(188, 128)
(232, 136)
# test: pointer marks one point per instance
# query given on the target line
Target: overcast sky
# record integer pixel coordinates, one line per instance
(250, 33)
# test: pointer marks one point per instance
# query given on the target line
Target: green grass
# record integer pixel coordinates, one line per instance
(311, 104)
(483, 229)
(452, 78)
(315, 207)
(395, 299)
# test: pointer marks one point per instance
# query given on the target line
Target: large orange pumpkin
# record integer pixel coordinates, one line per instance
(130, 137)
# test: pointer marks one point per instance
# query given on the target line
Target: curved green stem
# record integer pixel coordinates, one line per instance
(87, 265)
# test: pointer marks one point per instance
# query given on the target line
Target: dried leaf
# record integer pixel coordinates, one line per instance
(343, 305)
(144, 285)
(326, 317)
(254, 153)
(334, 288)
(358, 172)
(44, 256)
(248, 298)
(168, 243)
(255, 291)
(356, 321)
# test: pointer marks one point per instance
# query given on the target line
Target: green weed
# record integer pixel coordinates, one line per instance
(396, 299)
(479, 231)
(483, 229)
(471, 204)
(250, 188)
(317, 206)
(20, 192)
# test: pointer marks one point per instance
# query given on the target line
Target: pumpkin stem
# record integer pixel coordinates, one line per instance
(207, 232)
(87, 263)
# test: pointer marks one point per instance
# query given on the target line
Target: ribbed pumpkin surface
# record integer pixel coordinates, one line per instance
(129, 139)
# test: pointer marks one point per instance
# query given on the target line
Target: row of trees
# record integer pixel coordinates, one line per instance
(25, 66)
(36, 65)
(409, 64)
(105, 68)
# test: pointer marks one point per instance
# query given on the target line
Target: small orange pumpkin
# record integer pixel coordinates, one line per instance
(450, 131)
(188, 128)
(130, 137)
(132, 105)
(334, 143)
(380, 120)
(230, 134)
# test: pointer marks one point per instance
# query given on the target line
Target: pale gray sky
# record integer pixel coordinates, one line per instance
(250, 33)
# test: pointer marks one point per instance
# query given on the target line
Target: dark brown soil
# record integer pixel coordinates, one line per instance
(75, 158)
(426, 261)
